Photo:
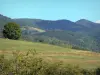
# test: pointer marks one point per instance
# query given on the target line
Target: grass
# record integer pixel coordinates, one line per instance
(51, 53)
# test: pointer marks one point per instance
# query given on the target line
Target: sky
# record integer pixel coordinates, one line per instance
(51, 9)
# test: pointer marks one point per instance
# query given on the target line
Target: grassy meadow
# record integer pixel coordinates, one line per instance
(84, 59)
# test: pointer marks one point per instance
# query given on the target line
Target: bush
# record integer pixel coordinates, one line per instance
(12, 31)
(30, 64)
(98, 71)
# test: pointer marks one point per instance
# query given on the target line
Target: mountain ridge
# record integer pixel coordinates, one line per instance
(87, 23)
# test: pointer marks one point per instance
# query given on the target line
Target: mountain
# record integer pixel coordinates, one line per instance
(26, 21)
(26, 24)
(4, 20)
(60, 25)
(80, 25)
(51, 25)
(88, 23)
(45, 24)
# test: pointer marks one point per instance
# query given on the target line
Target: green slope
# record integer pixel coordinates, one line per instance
(85, 59)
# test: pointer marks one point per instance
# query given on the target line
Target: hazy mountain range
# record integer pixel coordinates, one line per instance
(80, 25)
(82, 33)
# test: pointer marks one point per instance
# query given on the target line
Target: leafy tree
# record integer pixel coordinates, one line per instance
(12, 31)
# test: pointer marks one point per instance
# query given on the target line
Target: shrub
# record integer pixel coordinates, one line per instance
(98, 71)
(30, 64)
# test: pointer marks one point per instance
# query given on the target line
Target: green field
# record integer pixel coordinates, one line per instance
(52, 53)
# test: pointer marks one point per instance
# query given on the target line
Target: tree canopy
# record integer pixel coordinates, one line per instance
(12, 31)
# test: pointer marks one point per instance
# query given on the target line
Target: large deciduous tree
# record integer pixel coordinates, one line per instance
(12, 31)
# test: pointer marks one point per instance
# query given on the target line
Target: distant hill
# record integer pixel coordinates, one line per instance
(76, 39)
(46, 24)
(80, 25)
(88, 23)
(51, 25)
(60, 25)
(27, 21)
(4, 20)
(25, 24)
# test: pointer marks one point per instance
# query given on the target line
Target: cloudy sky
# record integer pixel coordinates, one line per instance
(51, 9)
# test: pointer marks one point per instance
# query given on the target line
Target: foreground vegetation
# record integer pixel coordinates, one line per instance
(30, 64)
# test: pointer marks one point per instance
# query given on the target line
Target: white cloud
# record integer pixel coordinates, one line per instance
(98, 21)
